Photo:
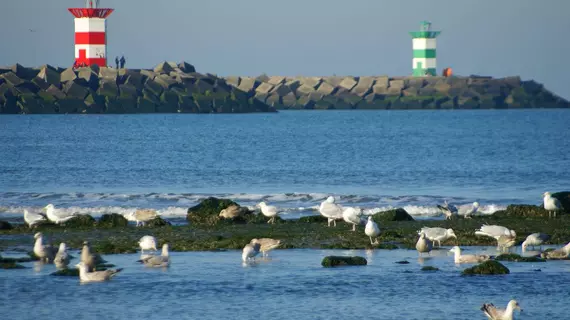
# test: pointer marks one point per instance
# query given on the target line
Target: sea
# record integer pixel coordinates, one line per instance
(376, 160)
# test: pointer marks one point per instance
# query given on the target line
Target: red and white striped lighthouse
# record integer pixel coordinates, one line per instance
(90, 34)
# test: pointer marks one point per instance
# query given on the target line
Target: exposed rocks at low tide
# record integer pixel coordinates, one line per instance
(385, 92)
(168, 88)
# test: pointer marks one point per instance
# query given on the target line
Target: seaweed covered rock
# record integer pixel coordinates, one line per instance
(112, 220)
(313, 219)
(517, 258)
(489, 267)
(429, 268)
(80, 221)
(5, 225)
(208, 212)
(521, 211)
(337, 261)
(393, 215)
(157, 222)
(564, 198)
(11, 265)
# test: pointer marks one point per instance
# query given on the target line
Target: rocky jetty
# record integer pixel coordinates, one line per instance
(383, 92)
(168, 88)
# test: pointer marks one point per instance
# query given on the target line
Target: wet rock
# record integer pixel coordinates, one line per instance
(402, 262)
(157, 222)
(393, 215)
(112, 220)
(521, 210)
(517, 258)
(11, 265)
(340, 261)
(207, 210)
(80, 221)
(5, 225)
(429, 268)
(489, 267)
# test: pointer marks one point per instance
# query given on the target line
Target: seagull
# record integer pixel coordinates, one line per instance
(438, 234)
(62, 257)
(232, 211)
(90, 260)
(352, 216)
(494, 231)
(33, 218)
(144, 215)
(423, 244)
(95, 276)
(372, 230)
(469, 210)
(535, 239)
(468, 258)
(46, 253)
(448, 210)
(506, 242)
(494, 313)
(250, 251)
(551, 204)
(330, 210)
(55, 216)
(561, 253)
(147, 243)
(266, 244)
(268, 211)
(158, 261)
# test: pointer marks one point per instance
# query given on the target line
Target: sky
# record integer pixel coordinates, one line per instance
(305, 37)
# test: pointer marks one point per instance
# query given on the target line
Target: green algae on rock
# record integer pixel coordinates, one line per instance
(113, 220)
(208, 210)
(393, 215)
(522, 211)
(10, 265)
(517, 258)
(80, 221)
(338, 261)
(157, 222)
(429, 268)
(489, 267)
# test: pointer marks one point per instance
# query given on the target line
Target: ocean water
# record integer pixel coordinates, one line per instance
(291, 284)
(376, 160)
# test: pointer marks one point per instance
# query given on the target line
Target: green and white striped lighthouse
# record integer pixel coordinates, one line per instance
(424, 59)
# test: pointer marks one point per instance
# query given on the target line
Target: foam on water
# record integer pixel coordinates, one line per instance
(172, 205)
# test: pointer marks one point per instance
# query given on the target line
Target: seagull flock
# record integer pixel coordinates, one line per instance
(428, 238)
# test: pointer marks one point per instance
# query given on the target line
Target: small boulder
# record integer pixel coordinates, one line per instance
(112, 220)
(79, 221)
(157, 222)
(489, 267)
(429, 268)
(521, 210)
(339, 261)
(393, 215)
(5, 225)
(207, 210)
(517, 258)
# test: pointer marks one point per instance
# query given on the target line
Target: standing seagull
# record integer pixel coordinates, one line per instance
(535, 239)
(147, 243)
(250, 251)
(266, 244)
(46, 253)
(330, 210)
(372, 230)
(448, 210)
(95, 276)
(352, 216)
(33, 218)
(551, 204)
(469, 210)
(268, 211)
(424, 244)
(62, 257)
(494, 313)
(88, 259)
(437, 234)
(55, 216)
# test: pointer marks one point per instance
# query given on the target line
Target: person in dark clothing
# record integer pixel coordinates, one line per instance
(117, 62)
(123, 60)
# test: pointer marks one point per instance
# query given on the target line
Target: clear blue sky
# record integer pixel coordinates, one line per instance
(306, 37)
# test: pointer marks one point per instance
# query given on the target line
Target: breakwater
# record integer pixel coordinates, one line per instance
(384, 92)
(168, 88)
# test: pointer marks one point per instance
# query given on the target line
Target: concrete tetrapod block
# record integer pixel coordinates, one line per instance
(348, 83)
